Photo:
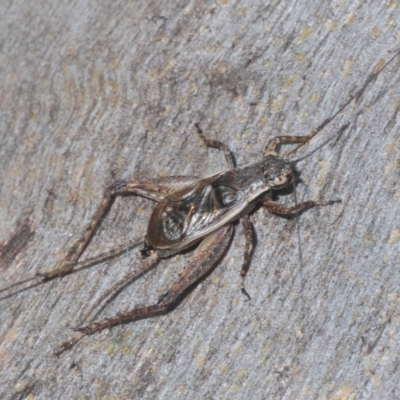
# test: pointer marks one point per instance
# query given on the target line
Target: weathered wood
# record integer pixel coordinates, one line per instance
(91, 92)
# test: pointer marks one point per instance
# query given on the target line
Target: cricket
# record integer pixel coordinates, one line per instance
(194, 212)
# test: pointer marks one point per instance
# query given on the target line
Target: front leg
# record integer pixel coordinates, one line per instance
(274, 145)
(290, 212)
(154, 189)
(217, 145)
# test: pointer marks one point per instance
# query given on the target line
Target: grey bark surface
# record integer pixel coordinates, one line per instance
(97, 91)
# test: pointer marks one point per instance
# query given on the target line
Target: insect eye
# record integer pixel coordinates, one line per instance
(280, 180)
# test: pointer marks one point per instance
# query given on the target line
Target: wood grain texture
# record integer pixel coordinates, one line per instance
(97, 91)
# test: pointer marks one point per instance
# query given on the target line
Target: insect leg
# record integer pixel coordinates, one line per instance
(154, 189)
(205, 257)
(290, 212)
(274, 145)
(217, 145)
(249, 235)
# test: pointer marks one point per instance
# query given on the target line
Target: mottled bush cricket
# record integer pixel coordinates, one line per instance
(193, 211)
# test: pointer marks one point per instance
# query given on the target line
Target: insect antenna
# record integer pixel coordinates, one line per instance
(372, 76)
(298, 226)
(344, 127)
(19, 283)
(79, 266)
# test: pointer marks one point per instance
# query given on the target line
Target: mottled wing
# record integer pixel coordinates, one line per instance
(191, 213)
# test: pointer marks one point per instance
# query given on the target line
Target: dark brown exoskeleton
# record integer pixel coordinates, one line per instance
(194, 211)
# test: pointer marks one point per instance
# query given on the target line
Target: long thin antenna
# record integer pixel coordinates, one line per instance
(342, 129)
(298, 227)
(372, 76)
(79, 266)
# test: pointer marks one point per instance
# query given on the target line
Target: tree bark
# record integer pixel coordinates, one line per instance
(98, 91)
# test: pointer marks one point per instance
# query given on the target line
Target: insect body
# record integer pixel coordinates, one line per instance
(191, 211)
(195, 211)
(188, 215)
